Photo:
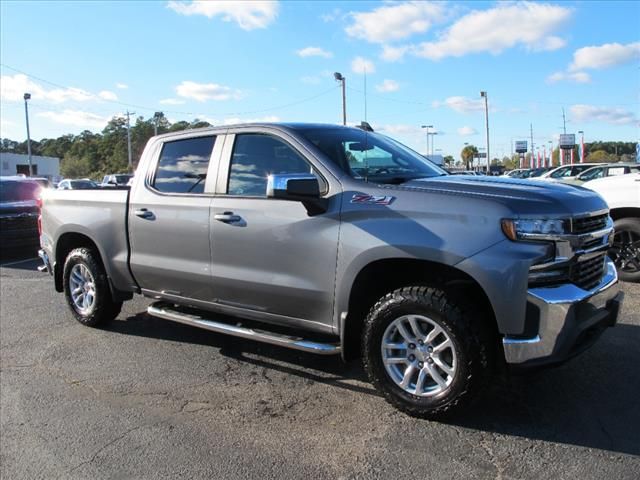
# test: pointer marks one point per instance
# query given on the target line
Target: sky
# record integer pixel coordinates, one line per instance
(420, 63)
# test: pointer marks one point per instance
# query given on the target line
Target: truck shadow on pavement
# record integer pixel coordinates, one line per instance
(589, 402)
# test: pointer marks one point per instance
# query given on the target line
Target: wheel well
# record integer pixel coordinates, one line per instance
(618, 213)
(66, 243)
(383, 276)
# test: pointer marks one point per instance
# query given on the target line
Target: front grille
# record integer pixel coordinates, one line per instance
(19, 222)
(587, 273)
(589, 224)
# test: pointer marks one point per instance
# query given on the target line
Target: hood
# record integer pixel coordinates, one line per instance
(18, 207)
(523, 197)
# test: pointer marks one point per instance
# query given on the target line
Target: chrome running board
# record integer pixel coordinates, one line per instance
(164, 311)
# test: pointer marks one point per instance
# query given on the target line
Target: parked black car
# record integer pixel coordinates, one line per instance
(19, 213)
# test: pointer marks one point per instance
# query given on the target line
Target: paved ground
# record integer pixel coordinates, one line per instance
(147, 398)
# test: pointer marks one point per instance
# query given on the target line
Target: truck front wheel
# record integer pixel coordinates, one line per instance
(423, 351)
(86, 289)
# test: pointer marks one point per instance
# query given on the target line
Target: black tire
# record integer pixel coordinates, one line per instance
(452, 316)
(103, 308)
(625, 251)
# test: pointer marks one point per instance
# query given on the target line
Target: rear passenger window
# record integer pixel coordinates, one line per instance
(255, 157)
(183, 165)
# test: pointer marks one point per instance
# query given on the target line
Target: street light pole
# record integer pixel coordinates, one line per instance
(129, 139)
(340, 78)
(26, 97)
(156, 119)
(486, 116)
(427, 127)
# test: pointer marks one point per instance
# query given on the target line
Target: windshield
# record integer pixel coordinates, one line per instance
(122, 179)
(19, 191)
(370, 156)
(82, 184)
(591, 174)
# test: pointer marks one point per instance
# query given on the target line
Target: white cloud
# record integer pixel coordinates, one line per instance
(614, 116)
(206, 91)
(332, 16)
(605, 56)
(249, 15)
(171, 101)
(497, 29)
(576, 77)
(76, 118)
(12, 89)
(467, 131)
(362, 65)
(395, 21)
(461, 104)
(107, 95)
(122, 86)
(393, 54)
(388, 86)
(313, 52)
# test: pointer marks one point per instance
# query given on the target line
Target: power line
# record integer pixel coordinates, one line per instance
(176, 112)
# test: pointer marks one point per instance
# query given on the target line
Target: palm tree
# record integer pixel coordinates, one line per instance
(468, 153)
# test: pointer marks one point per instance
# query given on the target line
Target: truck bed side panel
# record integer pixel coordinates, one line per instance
(98, 214)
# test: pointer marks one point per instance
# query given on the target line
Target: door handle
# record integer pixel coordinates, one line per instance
(143, 213)
(227, 217)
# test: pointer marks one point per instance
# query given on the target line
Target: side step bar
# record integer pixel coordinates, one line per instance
(162, 310)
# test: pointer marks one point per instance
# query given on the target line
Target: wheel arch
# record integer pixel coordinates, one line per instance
(379, 277)
(69, 241)
(624, 212)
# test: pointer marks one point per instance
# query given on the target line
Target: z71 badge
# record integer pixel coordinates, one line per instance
(372, 199)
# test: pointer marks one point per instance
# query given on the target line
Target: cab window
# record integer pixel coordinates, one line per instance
(183, 165)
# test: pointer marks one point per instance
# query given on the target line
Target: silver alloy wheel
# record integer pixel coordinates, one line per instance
(82, 288)
(418, 355)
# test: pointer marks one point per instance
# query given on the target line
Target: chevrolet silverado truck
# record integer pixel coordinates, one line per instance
(340, 240)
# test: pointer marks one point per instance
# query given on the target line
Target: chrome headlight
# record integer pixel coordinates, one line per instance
(534, 229)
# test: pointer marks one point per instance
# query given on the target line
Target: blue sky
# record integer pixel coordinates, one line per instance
(425, 64)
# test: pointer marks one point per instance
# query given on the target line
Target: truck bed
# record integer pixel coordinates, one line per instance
(100, 215)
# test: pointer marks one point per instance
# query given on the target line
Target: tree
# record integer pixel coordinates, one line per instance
(448, 160)
(468, 153)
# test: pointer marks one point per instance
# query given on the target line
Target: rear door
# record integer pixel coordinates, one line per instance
(275, 258)
(169, 218)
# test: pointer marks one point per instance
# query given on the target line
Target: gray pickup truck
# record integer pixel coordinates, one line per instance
(338, 240)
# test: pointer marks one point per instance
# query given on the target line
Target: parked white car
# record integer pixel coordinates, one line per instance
(566, 172)
(622, 194)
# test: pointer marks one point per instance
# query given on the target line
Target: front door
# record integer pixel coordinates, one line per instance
(169, 219)
(269, 255)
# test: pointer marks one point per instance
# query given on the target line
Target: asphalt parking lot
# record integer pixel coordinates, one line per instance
(146, 398)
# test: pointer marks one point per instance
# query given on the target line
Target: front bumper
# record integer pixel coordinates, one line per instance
(569, 320)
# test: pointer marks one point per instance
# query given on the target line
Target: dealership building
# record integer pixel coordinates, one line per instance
(18, 164)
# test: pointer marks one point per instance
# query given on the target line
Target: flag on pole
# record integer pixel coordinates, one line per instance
(544, 156)
(582, 149)
(572, 149)
(539, 160)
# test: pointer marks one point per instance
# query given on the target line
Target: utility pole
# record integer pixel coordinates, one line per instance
(427, 127)
(531, 160)
(340, 78)
(156, 119)
(129, 138)
(26, 97)
(486, 116)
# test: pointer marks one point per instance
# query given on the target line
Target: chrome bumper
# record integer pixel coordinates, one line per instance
(569, 320)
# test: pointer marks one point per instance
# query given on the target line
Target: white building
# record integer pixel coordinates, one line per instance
(17, 163)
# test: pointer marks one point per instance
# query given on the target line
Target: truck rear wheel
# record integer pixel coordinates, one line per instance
(422, 351)
(86, 289)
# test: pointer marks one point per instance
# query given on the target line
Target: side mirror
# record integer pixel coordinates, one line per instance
(300, 187)
(293, 186)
